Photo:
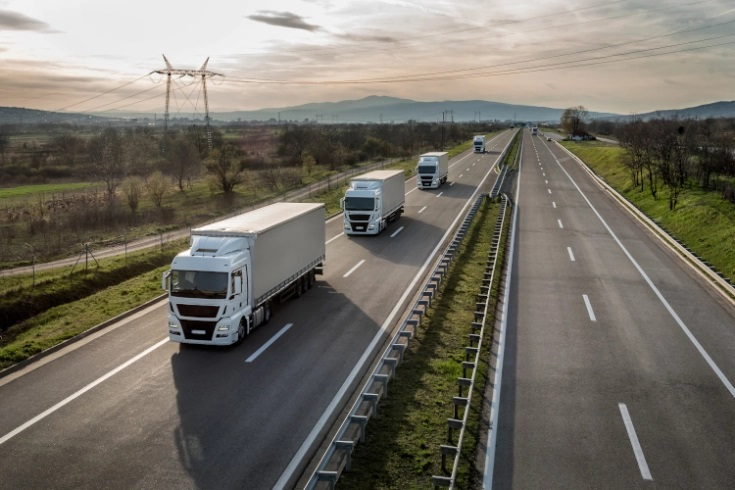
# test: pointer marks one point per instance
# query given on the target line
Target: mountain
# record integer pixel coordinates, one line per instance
(369, 109)
(716, 109)
(392, 109)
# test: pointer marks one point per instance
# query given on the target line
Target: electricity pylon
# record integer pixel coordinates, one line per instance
(201, 72)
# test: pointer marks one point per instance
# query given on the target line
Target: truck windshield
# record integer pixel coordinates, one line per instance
(359, 203)
(427, 169)
(199, 284)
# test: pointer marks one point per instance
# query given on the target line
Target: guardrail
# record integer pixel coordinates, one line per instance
(337, 457)
(473, 351)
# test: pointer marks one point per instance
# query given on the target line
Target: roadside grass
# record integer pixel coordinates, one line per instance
(702, 220)
(63, 322)
(402, 446)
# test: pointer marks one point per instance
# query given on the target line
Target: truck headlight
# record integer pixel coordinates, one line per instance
(173, 325)
(224, 327)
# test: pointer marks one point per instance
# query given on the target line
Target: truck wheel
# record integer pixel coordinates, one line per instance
(310, 280)
(299, 287)
(241, 332)
(266, 313)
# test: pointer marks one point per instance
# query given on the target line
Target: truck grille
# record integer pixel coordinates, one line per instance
(426, 182)
(198, 311)
(358, 226)
(359, 217)
(196, 330)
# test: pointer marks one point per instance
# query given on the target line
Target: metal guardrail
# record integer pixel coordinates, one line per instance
(473, 351)
(337, 457)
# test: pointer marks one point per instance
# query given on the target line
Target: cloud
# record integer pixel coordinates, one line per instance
(13, 21)
(284, 19)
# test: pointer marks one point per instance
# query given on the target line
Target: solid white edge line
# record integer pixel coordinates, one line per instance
(397, 232)
(571, 254)
(79, 393)
(659, 295)
(589, 307)
(487, 481)
(318, 427)
(637, 449)
(354, 268)
(269, 343)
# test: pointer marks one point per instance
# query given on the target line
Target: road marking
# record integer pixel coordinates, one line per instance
(269, 343)
(589, 308)
(368, 353)
(544, 174)
(395, 233)
(547, 181)
(642, 465)
(571, 254)
(442, 192)
(461, 175)
(549, 190)
(422, 210)
(560, 225)
(451, 184)
(467, 170)
(333, 239)
(354, 268)
(553, 204)
(79, 393)
(718, 372)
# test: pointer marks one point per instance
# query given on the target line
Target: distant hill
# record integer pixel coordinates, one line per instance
(392, 109)
(716, 109)
(19, 115)
(369, 109)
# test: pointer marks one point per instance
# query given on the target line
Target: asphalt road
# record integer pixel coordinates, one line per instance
(619, 359)
(126, 408)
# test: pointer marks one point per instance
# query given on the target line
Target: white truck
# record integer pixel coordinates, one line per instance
(432, 169)
(235, 269)
(478, 144)
(372, 201)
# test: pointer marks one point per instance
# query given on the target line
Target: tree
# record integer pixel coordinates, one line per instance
(155, 187)
(226, 167)
(573, 119)
(183, 159)
(106, 154)
(132, 190)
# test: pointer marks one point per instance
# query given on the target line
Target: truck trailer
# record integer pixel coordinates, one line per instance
(372, 201)
(225, 284)
(478, 144)
(432, 170)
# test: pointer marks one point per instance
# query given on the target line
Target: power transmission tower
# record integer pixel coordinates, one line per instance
(201, 72)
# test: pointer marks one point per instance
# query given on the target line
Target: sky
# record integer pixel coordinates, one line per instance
(625, 57)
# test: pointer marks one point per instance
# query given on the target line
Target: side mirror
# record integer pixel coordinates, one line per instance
(342, 203)
(166, 281)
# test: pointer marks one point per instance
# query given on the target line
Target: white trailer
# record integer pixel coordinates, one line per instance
(432, 170)
(225, 284)
(372, 201)
(478, 144)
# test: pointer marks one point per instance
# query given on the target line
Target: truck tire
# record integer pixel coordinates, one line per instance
(310, 279)
(242, 331)
(266, 313)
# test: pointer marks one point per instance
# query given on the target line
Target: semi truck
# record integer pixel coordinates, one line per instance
(235, 269)
(479, 144)
(372, 201)
(534, 130)
(432, 169)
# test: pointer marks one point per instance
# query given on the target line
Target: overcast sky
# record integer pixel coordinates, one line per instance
(629, 56)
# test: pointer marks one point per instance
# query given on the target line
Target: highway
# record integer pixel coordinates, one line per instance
(126, 408)
(619, 360)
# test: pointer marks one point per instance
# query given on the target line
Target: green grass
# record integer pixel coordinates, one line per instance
(402, 447)
(702, 220)
(13, 196)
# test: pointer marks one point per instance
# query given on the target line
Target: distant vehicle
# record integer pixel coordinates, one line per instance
(372, 201)
(478, 143)
(432, 169)
(224, 285)
(534, 130)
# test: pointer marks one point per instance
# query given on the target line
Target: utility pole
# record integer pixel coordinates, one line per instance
(201, 72)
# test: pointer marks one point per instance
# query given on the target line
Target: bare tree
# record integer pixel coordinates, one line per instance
(183, 160)
(132, 189)
(573, 119)
(106, 155)
(226, 167)
(155, 187)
